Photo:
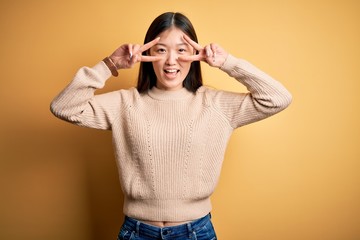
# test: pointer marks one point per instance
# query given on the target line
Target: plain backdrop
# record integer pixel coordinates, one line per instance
(293, 176)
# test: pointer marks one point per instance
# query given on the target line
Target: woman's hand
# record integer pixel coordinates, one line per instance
(127, 55)
(213, 54)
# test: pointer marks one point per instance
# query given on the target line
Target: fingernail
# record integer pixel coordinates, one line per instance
(207, 53)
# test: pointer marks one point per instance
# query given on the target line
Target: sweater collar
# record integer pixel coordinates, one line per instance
(160, 94)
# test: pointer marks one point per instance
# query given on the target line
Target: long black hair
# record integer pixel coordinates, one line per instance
(147, 77)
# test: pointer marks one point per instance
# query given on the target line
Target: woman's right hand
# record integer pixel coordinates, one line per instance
(127, 55)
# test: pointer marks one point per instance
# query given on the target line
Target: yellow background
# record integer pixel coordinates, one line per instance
(293, 176)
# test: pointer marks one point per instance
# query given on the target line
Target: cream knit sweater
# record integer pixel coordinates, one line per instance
(169, 145)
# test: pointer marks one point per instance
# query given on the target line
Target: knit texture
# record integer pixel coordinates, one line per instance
(169, 145)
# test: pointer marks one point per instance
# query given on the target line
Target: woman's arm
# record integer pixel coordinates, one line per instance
(266, 95)
(265, 98)
(78, 104)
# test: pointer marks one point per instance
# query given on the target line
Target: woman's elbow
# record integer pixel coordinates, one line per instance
(285, 100)
(274, 104)
(57, 110)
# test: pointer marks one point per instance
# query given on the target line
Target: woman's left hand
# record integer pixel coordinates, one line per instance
(213, 54)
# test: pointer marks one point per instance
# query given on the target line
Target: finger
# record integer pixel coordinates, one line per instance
(130, 46)
(208, 51)
(149, 44)
(135, 54)
(150, 58)
(192, 43)
(135, 49)
(214, 49)
(191, 58)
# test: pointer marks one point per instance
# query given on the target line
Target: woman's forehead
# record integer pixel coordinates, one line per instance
(172, 36)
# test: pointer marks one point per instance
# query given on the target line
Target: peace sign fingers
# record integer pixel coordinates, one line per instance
(196, 57)
(194, 44)
(148, 45)
(136, 55)
(212, 54)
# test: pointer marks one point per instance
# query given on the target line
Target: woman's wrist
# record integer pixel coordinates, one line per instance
(111, 65)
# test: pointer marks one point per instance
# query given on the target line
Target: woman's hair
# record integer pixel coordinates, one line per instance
(147, 77)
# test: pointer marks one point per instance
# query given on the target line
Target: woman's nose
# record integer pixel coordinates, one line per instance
(171, 58)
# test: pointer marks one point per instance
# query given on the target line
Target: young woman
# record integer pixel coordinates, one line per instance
(170, 133)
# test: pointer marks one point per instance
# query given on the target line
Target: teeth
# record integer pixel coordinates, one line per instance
(171, 71)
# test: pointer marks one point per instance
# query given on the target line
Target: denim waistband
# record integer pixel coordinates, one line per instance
(142, 229)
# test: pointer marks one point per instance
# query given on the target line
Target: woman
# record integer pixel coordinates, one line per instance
(170, 133)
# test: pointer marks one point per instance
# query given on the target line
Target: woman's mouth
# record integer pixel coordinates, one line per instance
(171, 73)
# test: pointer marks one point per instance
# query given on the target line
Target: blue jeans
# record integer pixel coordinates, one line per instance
(200, 229)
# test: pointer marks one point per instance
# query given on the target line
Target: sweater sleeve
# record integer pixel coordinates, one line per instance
(265, 98)
(78, 104)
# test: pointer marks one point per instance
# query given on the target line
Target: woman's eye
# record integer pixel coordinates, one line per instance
(161, 50)
(182, 50)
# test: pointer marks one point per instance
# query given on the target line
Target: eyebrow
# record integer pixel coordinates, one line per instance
(179, 44)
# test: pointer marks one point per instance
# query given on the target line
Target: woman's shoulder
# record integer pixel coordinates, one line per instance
(207, 94)
(215, 96)
(206, 89)
(129, 94)
(125, 97)
(210, 91)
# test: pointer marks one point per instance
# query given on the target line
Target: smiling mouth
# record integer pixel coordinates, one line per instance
(171, 71)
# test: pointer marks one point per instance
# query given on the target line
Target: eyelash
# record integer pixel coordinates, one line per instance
(162, 50)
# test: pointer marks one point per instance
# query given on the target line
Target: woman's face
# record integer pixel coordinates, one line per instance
(170, 72)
